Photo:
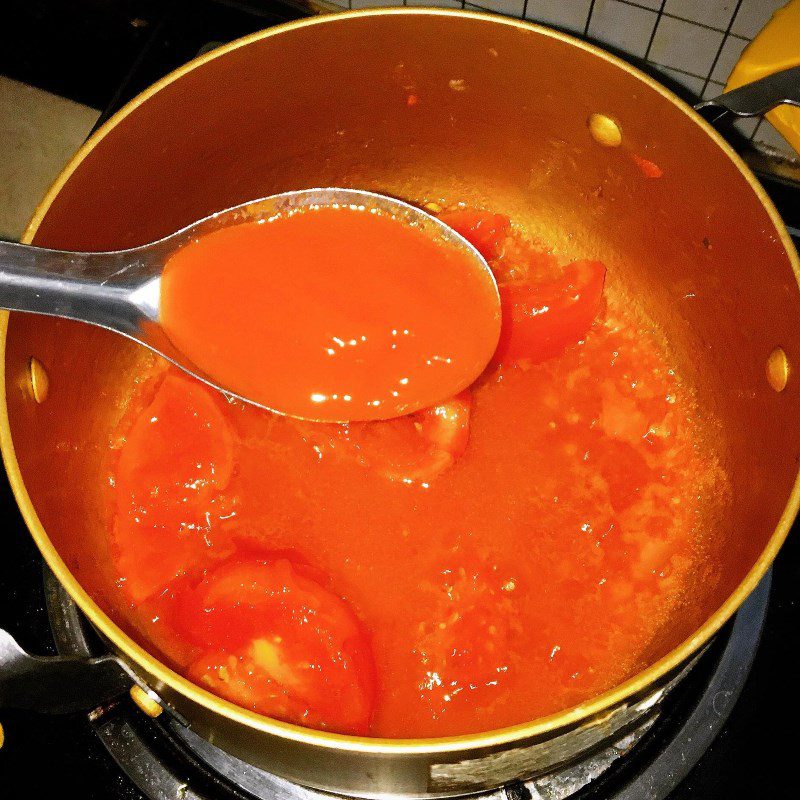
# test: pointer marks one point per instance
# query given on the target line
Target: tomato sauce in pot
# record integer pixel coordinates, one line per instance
(499, 556)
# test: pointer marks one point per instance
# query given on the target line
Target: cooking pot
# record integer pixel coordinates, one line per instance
(501, 117)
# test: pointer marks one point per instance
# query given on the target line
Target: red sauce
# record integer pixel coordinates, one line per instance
(330, 314)
(499, 556)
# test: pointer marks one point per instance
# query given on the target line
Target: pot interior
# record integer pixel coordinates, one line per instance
(501, 121)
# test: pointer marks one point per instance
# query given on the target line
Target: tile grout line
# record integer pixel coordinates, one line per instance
(678, 69)
(725, 37)
(589, 18)
(697, 23)
(659, 15)
(660, 11)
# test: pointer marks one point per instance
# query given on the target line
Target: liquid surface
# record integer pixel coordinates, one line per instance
(503, 555)
(331, 313)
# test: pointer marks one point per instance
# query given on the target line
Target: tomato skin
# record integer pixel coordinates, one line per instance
(416, 448)
(446, 425)
(274, 639)
(177, 457)
(485, 231)
(648, 168)
(540, 320)
(180, 437)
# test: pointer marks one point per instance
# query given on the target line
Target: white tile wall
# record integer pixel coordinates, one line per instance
(511, 8)
(374, 3)
(714, 13)
(689, 82)
(570, 15)
(685, 46)
(631, 37)
(713, 89)
(728, 57)
(747, 127)
(766, 134)
(435, 3)
(753, 15)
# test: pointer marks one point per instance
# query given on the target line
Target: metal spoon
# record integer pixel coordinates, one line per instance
(120, 290)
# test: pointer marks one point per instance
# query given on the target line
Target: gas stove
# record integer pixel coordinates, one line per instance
(163, 759)
(721, 733)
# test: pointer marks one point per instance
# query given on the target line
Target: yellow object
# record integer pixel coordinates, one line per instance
(2, 735)
(40, 383)
(604, 130)
(778, 369)
(777, 47)
(145, 702)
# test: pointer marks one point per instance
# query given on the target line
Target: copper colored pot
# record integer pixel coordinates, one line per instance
(501, 119)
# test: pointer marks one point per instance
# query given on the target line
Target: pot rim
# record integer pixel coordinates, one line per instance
(489, 739)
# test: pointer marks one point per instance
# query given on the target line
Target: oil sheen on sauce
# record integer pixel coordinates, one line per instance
(330, 313)
(502, 555)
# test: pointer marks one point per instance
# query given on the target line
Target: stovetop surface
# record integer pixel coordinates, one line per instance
(103, 54)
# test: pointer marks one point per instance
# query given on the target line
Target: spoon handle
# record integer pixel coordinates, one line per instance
(755, 98)
(89, 287)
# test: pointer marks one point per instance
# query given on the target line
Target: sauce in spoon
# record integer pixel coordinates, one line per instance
(331, 313)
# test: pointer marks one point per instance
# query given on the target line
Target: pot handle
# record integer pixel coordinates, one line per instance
(58, 684)
(755, 98)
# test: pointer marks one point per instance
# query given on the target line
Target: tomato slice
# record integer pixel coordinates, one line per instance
(275, 640)
(416, 448)
(545, 308)
(485, 231)
(175, 460)
(541, 319)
